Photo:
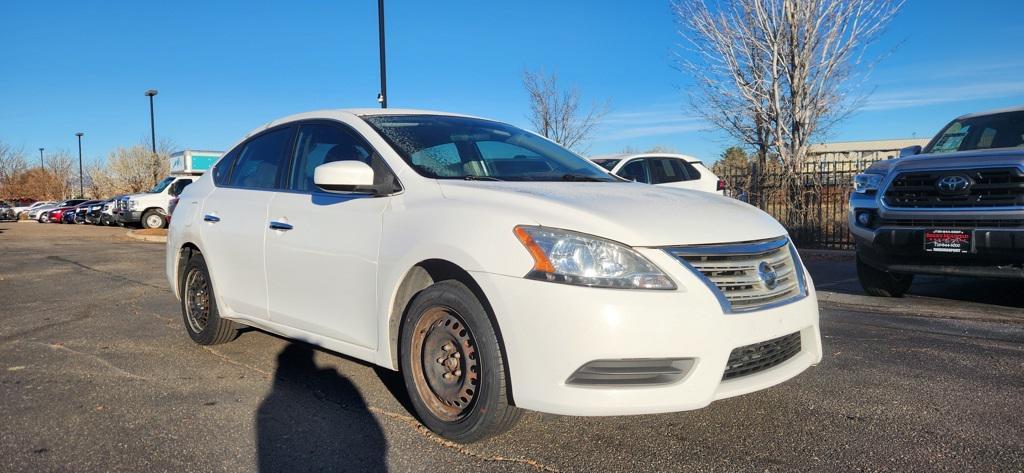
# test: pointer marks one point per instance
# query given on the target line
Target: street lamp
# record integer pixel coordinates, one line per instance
(382, 97)
(152, 122)
(81, 182)
(41, 166)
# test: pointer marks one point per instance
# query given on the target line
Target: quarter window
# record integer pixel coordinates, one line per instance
(260, 160)
(222, 170)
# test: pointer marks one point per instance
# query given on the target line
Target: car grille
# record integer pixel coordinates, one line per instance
(989, 188)
(758, 357)
(734, 272)
(931, 223)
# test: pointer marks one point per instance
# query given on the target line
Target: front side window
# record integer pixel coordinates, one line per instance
(998, 130)
(608, 164)
(160, 186)
(260, 160)
(635, 170)
(321, 143)
(447, 147)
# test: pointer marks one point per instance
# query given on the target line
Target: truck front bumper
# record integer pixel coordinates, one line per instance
(128, 216)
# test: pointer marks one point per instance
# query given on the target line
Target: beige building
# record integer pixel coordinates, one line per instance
(871, 150)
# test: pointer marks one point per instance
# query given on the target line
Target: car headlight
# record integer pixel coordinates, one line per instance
(864, 183)
(575, 258)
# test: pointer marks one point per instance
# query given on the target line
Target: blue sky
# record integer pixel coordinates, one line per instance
(223, 68)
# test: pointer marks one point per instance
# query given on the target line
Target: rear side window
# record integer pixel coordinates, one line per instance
(261, 160)
(319, 144)
(666, 170)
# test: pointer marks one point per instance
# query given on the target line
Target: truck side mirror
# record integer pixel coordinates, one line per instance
(910, 150)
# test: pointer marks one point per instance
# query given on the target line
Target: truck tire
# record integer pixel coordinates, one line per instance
(879, 283)
(153, 219)
(199, 305)
(452, 364)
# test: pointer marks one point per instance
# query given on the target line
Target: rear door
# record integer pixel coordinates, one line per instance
(234, 219)
(672, 172)
(322, 248)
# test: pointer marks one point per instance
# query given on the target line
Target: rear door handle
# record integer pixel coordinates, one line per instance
(211, 218)
(275, 225)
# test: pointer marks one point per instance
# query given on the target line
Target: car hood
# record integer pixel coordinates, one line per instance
(958, 159)
(631, 213)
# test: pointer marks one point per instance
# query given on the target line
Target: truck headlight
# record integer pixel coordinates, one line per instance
(864, 182)
(131, 205)
(576, 258)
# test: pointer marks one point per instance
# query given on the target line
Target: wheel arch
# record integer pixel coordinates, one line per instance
(421, 276)
(185, 252)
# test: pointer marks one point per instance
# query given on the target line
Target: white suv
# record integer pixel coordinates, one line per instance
(495, 269)
(663, 169)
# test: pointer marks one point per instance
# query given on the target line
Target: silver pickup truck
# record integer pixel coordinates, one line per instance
(955, 207)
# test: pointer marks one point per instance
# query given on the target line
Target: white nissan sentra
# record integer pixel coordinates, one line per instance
(495, 269)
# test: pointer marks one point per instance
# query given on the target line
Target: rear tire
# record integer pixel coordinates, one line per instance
(199, 306)
(153, 219)
(879, 283)
(452, 364)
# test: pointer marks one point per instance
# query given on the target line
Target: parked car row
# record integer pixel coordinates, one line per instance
(96, 212)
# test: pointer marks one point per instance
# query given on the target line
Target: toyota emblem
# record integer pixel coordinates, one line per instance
(953, 184)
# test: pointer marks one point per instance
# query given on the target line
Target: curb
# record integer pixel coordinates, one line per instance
(146, 238)
(921, 308)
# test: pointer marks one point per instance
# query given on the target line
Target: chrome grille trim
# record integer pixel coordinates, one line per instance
(730, 271)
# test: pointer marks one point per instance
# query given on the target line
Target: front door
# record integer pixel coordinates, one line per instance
(322, 248)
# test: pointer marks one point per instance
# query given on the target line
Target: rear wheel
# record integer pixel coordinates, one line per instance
(879, 283)
(452, 365)
(152, 219)
(199, 306)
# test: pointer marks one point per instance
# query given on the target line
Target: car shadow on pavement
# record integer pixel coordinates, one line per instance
(315, 420)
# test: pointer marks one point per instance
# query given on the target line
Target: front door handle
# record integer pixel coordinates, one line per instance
(211, 218)
(275, 225)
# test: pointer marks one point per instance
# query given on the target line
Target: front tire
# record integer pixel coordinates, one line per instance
(452, 364)
(153, 219)
(199, 306)
(879, 283)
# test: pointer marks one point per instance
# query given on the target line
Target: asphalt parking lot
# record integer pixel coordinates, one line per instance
(97, 374)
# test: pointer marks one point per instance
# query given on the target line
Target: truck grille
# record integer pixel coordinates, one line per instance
(758, 357)
(988, 188)
(741, 274)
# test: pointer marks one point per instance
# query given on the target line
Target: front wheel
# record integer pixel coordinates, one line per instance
(43, 218)
(153, 219)
(452, 364)
(879, 283)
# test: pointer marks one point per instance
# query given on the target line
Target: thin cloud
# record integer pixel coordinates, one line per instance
(918, 97)
(656, 121)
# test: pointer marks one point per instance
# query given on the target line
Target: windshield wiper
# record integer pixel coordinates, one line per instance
(480, 178)
(580, 178)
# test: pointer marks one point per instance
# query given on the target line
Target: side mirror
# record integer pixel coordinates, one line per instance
(344, 176)
(910, 150)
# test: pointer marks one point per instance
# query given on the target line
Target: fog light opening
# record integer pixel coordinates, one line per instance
(631, 372)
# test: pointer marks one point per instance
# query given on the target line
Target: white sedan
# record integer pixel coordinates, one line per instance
(495, 269)
(663, 169)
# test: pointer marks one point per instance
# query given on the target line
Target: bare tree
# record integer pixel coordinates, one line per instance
(556, 114)
(12, 166)
(64, 170)
(775, 73)
(129, 170)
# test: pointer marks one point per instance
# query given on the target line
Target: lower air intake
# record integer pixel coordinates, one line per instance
(758, 357)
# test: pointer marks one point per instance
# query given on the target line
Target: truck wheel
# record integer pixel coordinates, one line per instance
(199, 306)
(880, 283)
(152, 219)
(452, 365)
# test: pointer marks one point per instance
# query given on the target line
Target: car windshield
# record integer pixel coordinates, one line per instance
(608, 164)
(160, 186)
(998, 130)
(447, 147)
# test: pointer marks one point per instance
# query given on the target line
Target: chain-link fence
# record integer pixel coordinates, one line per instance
(813, 210)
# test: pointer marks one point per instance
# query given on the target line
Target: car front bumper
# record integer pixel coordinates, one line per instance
(551, 330)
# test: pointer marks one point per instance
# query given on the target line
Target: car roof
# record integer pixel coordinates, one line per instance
(1019, 108)
(620, 156)
(342, 113)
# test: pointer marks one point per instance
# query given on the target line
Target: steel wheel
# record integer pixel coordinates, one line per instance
(445, 365)
(197, 300)
(154, 220)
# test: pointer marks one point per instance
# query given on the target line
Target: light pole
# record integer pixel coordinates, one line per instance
(41, 166)
(382, 97)
(81, 181)
(152, 121)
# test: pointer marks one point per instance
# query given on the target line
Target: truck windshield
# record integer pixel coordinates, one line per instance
(447, 147)
(160, 186)
(998, 130)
